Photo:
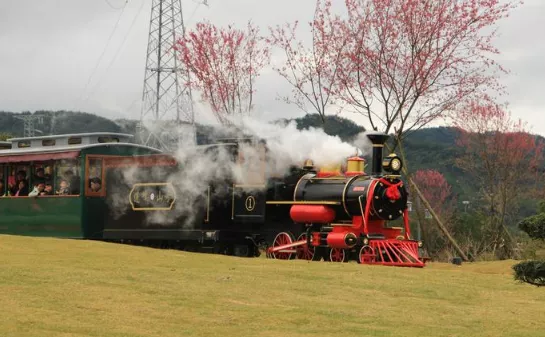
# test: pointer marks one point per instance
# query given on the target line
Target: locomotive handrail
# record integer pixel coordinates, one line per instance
(365, 214)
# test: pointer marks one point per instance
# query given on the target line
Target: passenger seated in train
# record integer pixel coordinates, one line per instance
(95, 184)
(48, 189)
(40, 175)
(38, 189)
(22, 189)
(73, 182)
(3, 192)
(64, 188)
(14, 187)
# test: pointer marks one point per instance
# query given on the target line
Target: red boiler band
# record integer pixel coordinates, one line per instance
(312, 214)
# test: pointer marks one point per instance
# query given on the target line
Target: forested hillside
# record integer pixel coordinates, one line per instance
(431, 148)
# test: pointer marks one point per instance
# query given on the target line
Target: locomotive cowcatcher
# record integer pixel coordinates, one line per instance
(311, 213)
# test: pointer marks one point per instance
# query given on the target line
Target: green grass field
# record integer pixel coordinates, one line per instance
(52, 287)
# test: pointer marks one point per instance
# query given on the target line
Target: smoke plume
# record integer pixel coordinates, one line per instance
(203, 166)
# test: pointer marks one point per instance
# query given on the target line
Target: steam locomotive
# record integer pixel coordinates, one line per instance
(310, 213)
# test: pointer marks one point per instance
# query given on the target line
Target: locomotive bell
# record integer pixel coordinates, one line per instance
(378, 139)
(308, 164)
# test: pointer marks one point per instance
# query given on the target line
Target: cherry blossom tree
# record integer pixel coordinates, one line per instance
(435, 188)
(223, 65)
(410, 62)
(502, 157)
(312, 70)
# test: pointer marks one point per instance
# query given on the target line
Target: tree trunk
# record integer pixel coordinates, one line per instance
(439, 222)
(427, 204)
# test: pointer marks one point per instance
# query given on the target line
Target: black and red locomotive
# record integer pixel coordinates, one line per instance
(311, 213)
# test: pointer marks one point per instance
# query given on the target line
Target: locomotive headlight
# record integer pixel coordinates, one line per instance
(365, 241)
(395, 164)
(392, 164)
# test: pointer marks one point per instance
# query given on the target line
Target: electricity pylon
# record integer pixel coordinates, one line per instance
(167, 118)
(28, 124)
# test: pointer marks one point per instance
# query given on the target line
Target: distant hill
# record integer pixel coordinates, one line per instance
(334, 125)
(435, 148)
(58, 122)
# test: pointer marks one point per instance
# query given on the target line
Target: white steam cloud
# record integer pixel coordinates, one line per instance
(201, 167)
(290, 146)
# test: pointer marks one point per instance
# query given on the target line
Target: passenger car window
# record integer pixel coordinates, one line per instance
(17, 180)
(94, 176)
(67, 181)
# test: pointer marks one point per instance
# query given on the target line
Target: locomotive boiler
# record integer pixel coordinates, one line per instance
(347, 215)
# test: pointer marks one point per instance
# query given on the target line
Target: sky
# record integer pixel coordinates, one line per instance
(55, 55)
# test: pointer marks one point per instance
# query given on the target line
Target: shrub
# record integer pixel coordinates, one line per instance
(532, 272)
(534, 226)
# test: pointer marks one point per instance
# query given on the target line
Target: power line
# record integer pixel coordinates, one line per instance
(104, 50)
(112, 7)
(118, 49)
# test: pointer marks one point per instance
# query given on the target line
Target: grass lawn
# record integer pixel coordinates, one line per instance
(51, 287)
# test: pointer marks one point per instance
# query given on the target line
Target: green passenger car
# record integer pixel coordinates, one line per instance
(53, 185)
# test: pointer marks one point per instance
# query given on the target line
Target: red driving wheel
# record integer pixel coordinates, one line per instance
(304, 252)
(281, 239)
(367, 255)
(337, 255)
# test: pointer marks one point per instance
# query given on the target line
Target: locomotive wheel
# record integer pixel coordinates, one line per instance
(367, 255)
(338, 255)
(304, 252)
(282, 238)
(221, 249)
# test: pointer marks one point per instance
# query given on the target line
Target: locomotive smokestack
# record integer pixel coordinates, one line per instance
(378, 139)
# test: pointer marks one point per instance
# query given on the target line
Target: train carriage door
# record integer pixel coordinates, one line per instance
(3, 189)
(248, 199)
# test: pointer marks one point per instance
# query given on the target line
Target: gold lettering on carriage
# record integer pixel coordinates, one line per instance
(152, 196)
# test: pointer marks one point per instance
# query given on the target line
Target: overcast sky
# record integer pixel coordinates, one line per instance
(50, 48)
